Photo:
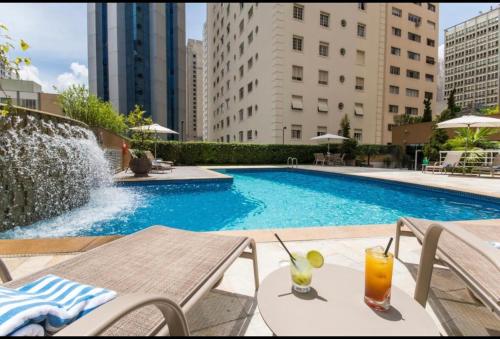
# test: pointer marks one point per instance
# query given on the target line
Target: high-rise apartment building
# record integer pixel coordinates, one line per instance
(471, 61)
(137, 55)
(205, 83)
(286, 72)
(193, 120)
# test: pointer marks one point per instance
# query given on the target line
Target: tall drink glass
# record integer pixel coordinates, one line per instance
(378, 278)
(301, 274)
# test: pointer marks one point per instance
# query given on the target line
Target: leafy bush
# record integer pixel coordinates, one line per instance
(77, 103)
(210, 153)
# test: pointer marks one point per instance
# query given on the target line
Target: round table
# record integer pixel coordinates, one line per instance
(335, 306)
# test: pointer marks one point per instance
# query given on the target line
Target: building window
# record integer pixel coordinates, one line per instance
(395, 50)
(298, 12)
(411, 110)
(393, 89)
(431, 7)
(360, 57)
(361, 30)
(362, 6)
(321, 130)
(249, 135)
(249, 111)
(250, 12)
(430, 60)
(413, 56)
(250, 63)
(241, 112)
(410, 92)
(390, 127)
(358, 134)
(297, 103)
(242, 48)
(324, 19)
(414, 18)
(250, 87)
(296, 131)
(297, 43)
(397, 12)
(431, 42)
(394, 70)
(323, 77)
(429, 77)
(242, 25)
(242, 71)
(322, 105)
(414, 37)
(241, 136)
(343, 23)
(428, 95)
(358, 109)
(393, 108)
(242, 92)
(297, 73)
(323, 48)
(412, 74)
(250, 38)
(396, 31)
(360, 84)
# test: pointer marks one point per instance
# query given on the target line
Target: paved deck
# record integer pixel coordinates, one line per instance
(231, 309)
(178, 173)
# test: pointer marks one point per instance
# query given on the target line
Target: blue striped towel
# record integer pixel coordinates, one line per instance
(51, 301)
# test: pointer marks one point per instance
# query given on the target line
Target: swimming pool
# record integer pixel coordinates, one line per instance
(258, 199)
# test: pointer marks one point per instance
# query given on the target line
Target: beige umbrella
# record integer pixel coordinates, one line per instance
(329, 137)
(156, 129)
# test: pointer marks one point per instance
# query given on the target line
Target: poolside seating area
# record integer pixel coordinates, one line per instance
(334, 159)
(177, 271)
(450, 163)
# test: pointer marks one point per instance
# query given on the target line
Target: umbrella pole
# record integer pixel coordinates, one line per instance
(466, 145)
(156, 139)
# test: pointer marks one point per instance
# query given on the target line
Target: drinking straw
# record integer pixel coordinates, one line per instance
(286, 249)
(387, 248)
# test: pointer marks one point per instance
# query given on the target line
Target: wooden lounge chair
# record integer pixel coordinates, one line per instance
(465, 249)
(161, 266)
(489, 169)
(450, 161)
(319, 158)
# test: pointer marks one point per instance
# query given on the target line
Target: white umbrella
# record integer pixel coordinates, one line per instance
(154, 128)
(328, 137)
(469, 121)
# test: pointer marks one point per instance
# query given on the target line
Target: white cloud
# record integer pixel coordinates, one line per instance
(79, 75)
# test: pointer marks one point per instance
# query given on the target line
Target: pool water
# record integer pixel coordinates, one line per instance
(258, 199)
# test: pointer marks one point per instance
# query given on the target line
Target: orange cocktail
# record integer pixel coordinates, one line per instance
(378, 278)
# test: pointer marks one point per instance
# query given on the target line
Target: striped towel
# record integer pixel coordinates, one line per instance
(51, 301)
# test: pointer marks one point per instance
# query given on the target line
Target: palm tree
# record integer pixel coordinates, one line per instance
(476, 138)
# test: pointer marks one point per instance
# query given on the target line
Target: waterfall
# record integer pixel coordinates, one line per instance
(48, 166)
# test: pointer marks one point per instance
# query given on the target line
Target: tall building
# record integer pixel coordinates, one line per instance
(193, 120)
(205, 83)
(471, 61)
(137, 55)
(286, 72)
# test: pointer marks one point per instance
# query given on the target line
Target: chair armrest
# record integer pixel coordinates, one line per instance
(4, 272)
(429, 248)
(102, 318)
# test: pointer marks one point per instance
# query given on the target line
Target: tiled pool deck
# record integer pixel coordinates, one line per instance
(231, 308)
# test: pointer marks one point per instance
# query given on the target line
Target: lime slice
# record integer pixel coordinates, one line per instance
(315, 259)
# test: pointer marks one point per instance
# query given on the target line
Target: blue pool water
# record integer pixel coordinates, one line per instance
(258, 199)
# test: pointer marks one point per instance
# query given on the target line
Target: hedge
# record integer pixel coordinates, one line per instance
(211, 153)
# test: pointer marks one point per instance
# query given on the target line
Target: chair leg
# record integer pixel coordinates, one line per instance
(253, 246)
(399, 224)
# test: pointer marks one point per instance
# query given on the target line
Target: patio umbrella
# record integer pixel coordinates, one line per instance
(329, 137)
(469, 121)
(156, 129)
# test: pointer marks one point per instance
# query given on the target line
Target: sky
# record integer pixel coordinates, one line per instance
(57, 35)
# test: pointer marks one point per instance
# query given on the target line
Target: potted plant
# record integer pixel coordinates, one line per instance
(140, 164)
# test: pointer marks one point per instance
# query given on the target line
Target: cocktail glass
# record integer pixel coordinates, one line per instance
(378, 278)
(301, 273)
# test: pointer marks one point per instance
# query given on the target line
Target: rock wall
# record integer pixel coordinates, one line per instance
(48, 165)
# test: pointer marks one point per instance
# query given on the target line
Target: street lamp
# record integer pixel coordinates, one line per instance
(284, 128)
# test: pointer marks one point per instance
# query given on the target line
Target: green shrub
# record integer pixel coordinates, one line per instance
(211, 153)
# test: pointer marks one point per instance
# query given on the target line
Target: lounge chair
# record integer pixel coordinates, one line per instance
(466, 249)
(166, 267)
(491, 169)
(159, 165)
(450, 161)
(319, 158)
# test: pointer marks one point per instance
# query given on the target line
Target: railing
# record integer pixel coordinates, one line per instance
(290, 162)
(473, 158)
